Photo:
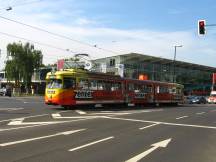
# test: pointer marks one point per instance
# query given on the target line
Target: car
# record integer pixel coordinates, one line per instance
(212, 99)
(198, 100)
(3, 91)
(188, 99)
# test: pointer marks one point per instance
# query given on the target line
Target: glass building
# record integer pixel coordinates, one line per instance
(197, 79)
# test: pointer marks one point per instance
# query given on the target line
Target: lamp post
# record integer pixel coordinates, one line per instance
(174, 59)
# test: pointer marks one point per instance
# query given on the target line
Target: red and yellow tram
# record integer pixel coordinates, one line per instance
(79, 87)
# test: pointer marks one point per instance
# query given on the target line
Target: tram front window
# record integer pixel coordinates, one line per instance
(54, 83)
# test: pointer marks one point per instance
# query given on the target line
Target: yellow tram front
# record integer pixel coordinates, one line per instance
(60, 88)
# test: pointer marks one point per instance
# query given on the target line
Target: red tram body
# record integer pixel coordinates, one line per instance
(78, 87)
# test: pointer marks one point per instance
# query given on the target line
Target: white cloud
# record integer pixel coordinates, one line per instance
(145, 41)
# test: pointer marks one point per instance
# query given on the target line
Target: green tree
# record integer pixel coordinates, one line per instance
(23, 60)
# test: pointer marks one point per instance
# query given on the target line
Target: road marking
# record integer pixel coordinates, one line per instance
(200, 113)
(164, 123)
(114, 113)
(80, 112)
(108, 111)
(33, 116)
(10, 109)
(42, 137)
(134, 120)
(155, 146)
(89, 144)
(58, 116)
(181, 117)
(149, 126)
(24, 117)
(31, 126)
(19, 121)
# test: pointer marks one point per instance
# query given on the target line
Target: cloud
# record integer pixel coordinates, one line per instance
(81, 28)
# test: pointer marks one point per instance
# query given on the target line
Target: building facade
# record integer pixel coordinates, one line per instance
(197, 79)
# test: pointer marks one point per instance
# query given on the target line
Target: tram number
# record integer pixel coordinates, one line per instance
(50, 92)
(139, 95)
(83, 94)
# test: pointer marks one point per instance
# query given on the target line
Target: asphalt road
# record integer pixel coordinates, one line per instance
(31, 131)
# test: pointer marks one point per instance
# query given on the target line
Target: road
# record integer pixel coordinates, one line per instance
(31, 131)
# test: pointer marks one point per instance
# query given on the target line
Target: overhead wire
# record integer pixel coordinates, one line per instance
(20, 4)
(58, 35)
(36, 42)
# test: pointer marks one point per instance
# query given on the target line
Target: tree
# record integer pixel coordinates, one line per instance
(23, 60)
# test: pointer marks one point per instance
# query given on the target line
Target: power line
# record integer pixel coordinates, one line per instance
(36, 42)
(58, 35)
(20, 4)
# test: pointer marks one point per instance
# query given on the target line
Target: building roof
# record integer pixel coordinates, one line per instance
(159, 60)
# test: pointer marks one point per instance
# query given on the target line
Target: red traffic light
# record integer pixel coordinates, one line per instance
(201, 27)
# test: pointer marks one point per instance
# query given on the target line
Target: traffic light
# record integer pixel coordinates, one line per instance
(201, 27)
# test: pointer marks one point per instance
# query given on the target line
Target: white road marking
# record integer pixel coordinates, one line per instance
(164, 123)
(200, 113)
(10, 109)
(80, 112)
(31, 126)
(134, 120)
(155, 146)
(20, 122)
(24, 117)
(58, 116)
(149, 126)
(114, 113)
(181, 117)
(42, 137)
(33, 116)
(89, 144)
(107, 111)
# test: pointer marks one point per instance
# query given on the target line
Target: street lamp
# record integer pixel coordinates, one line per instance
(174, 59)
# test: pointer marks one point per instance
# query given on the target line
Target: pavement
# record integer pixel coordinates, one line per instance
(31, 131)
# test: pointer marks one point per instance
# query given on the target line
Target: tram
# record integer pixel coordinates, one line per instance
(72, 87)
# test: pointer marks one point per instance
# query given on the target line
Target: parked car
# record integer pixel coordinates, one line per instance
(195, 100)
(2, 91)
(188, 99)
(212, 97)
(198, 100)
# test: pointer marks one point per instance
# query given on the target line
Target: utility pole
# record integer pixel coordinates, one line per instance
(174, 59)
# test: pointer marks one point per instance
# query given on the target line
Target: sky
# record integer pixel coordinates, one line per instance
(104, 28)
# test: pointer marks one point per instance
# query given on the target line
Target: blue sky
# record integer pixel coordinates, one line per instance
(149, 27)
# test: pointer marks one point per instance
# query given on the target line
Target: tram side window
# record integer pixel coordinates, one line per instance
(107, 86)
(147, 88)
(93, 85)
(83, 84)
(137, 88)
(178, 90)
(164, 90)
(69, 83)
(101, 85)
(130, 87)
(173, 90)
(116, 86)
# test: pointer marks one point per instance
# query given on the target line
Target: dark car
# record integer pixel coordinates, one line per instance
(198, 100)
